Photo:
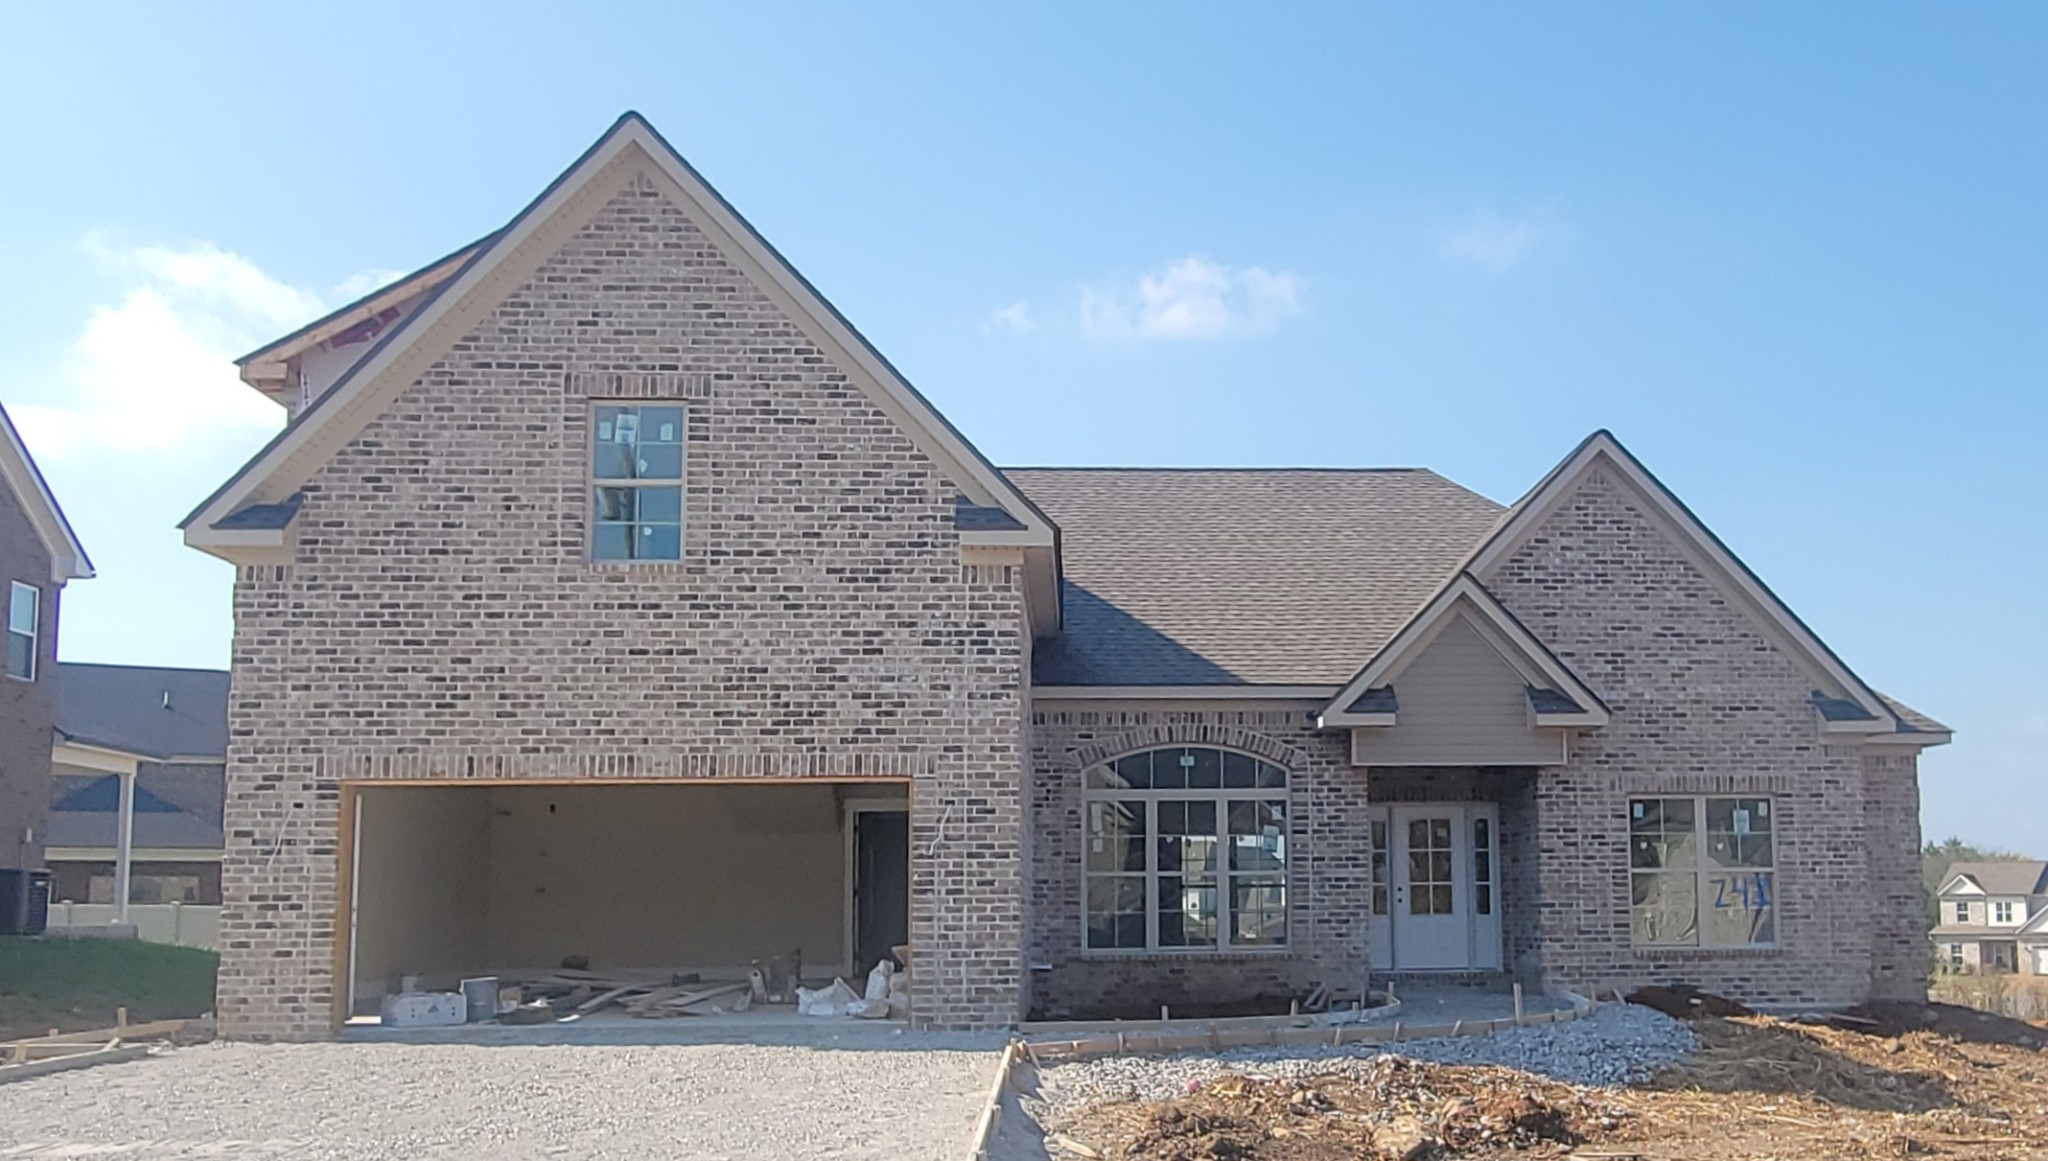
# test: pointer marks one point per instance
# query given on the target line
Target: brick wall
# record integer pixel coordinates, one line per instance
(1703, 703)
(441, 619)
(26, 708)
(1329, 877)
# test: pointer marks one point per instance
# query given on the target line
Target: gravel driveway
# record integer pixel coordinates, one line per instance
(906, 1102)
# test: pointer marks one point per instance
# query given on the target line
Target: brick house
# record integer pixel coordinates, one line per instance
(39, 554)
(607, 594)
(1993, 917)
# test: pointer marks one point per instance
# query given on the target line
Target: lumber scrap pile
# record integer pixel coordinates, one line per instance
(59, 1051)
(571, 993)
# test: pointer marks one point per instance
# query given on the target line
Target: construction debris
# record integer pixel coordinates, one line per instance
(1396, 1110)
(62, 1051)
(573, 993)
(1897, 1080)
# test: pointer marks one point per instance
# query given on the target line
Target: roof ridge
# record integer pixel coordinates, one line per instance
(1198, 468)
(150, 668)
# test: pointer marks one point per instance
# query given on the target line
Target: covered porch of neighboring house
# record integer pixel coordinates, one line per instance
(133, 846)
(601, 901)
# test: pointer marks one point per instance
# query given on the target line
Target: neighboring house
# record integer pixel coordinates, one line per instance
(1994, 917)
(607, 594)
(38, 554)
(161, 736)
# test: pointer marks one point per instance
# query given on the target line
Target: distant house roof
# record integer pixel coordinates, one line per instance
(19, 474)
(176, 808)
(1178, 576)
(2002, 877)
(144, 710)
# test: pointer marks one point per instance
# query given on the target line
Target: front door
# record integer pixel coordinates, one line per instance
(1445, 877)
(1432, 906)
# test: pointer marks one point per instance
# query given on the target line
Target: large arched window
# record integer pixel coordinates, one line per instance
(1185, 849)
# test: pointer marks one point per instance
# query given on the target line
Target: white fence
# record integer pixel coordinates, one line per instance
(185, 924)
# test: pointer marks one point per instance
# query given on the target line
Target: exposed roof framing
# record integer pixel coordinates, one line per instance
(267, 368)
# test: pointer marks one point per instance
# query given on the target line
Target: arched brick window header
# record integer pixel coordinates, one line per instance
(1227, 737)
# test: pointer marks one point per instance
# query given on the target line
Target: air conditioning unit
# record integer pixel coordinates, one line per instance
(24, 901)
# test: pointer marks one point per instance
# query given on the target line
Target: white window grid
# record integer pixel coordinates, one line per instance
(24, 617)
(1222, 879)
(1722, 857)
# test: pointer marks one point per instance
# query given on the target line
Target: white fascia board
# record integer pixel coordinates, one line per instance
(1343, 719)
(1010, 538)
(1529, 513)
(1961, 885)
(1909, 739)
(1864, 726)
(103, 759)
(1583, 721)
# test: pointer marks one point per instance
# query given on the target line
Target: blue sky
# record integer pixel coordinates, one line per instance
(1794, 256)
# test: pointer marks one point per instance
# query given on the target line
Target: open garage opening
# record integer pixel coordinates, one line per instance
(650, 881)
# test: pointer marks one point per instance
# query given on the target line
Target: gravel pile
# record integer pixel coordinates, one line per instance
(1618, 1044)
(913, 1098)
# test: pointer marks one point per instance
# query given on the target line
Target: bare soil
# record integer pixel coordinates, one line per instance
(1910, 1081)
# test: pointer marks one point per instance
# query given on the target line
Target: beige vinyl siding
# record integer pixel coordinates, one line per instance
(1461, 704)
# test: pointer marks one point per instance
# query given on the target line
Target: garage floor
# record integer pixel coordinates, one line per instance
(907, 1097)
(777, 1025)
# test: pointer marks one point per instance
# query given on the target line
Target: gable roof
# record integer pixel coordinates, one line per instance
(2000, 877)
(407, 348)
(19, 474)
(1233, 576)
(1555, 693)
(1603, 450)
(144, 710)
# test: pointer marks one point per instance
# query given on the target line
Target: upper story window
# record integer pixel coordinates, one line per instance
(1702, 872)
(1186, 850)
(1962, 912)
(24, 614)
(636, 482)
(2003, 912)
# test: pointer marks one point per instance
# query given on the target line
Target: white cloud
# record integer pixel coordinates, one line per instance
(152, 373)
(1496, 244)
(1014, 318)
(1194, 298)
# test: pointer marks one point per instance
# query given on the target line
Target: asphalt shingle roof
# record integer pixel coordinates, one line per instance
(1230, 576)
(2003, 877)
(141, 709)
(183, 810)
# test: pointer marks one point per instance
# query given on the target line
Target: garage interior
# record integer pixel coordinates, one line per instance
(508, 878)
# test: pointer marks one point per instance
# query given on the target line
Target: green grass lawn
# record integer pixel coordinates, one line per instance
(75, 985)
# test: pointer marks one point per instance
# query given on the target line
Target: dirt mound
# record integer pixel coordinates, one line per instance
(1390, 1108)
(1687, 1003)
(1897, 1018)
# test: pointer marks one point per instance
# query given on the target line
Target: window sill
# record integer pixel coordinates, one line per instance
(1204, 954)
(1696, 953)
(648, 566)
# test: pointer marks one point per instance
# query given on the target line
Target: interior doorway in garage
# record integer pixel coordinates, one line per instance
(498, 878)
